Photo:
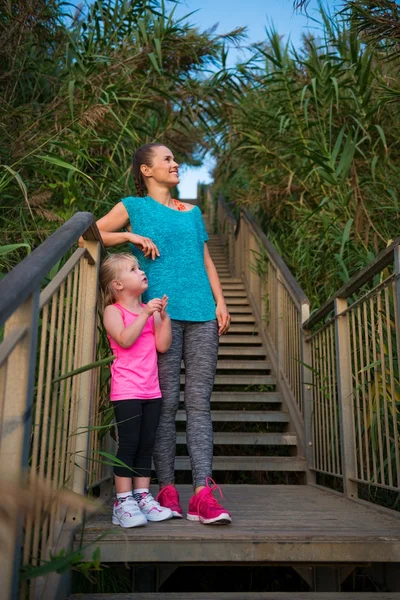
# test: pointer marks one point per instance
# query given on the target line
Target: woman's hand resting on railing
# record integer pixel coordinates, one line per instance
(146, 245)
(111, 238)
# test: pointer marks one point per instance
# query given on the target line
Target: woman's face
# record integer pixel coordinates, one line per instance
(164, 169)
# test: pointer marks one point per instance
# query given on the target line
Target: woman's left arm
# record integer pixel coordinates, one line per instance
(223, 316)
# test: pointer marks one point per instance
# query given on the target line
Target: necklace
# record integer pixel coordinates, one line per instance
(179, 205)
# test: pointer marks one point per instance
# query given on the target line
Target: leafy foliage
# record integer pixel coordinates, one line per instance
(310, 143)
(77, 99)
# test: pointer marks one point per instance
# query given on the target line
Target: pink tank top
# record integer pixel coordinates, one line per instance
(134, 373)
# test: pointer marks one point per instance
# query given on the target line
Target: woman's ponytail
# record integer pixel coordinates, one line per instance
(142, 156)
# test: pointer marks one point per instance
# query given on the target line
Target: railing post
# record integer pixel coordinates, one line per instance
(280, 347)
(345, 397)
(15, 434)
(231, 246)
(87, 324)
(306, 384)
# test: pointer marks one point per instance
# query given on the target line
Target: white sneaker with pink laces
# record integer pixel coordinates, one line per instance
(127, 513)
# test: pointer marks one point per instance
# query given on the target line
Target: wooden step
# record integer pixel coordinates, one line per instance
(231, 280)
(242, 319)
(242, 416)
(240, 438)
(237, 301)
(244, 397)
(243, 340)
(242, 596)
(234, 294)
(248, 463)
(241, 379)
(239, 309)
(237, 328)
(240, 352)
(241, 365)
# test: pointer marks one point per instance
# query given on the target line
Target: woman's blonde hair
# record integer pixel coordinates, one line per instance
(109, 271)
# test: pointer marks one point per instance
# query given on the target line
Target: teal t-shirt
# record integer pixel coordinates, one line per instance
(179, 271)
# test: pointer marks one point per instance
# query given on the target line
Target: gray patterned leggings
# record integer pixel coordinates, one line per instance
(197, 344)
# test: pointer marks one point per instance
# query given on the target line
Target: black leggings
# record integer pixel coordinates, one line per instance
(137, 422)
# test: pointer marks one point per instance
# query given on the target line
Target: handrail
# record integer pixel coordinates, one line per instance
(384, 259)
(278, 302)
(25, 277)
(276, 258)
(340, 382)
(227, 210)
(50, 396)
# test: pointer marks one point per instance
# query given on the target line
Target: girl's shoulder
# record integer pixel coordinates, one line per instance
(113, 309)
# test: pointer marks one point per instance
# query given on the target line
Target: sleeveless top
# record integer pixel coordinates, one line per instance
(134, 372)
(179, 271)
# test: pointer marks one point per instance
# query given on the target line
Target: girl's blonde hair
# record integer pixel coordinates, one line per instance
(109, 271)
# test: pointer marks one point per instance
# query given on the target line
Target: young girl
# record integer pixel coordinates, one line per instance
(136, 333)
(169, 240)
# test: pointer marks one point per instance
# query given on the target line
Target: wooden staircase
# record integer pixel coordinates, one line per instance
(320, 534)
(247, 409)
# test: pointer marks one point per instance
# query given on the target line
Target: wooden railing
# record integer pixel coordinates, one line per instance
(279, 303)
(49, 402)
(338, 369)
(353, 348)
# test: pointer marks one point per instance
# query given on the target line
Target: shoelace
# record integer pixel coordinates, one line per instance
(149, 500)
(210, 497)
(123, 501)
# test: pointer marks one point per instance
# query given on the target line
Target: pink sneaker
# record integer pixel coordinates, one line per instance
(168, 496)
(205, 508)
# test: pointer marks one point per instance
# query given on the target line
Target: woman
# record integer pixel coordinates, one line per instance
(168, 238)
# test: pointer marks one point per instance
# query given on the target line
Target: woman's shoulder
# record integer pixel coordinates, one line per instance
(190, 207)
(131, 200)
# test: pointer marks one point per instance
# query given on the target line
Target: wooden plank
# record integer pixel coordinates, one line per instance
(241, 365)
(281, 524)
(241, 351)
(243, 596)
(239, 438)
(239, 309)
(242, 416)
(241, 380)
(248, 463)
(231, 280)
(237, 301)
(244, 340)
(242, 329)
(244, 397)
(235, 294)
(243, 319)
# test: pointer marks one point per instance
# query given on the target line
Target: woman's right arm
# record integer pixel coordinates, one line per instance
(110, 225)
(117, 219)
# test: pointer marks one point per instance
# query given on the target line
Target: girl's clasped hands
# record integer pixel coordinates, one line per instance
(157, 305)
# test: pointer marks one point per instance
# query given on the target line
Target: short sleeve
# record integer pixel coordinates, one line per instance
(200, 225)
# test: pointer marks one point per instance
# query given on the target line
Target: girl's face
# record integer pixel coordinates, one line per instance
(164, 169)
(131, 279)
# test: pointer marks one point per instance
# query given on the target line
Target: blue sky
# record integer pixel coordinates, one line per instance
(229, 14)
